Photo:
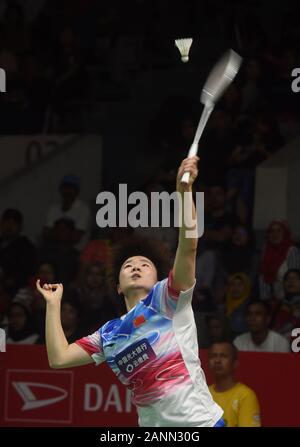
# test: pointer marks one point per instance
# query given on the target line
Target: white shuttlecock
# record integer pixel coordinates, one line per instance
(184, 46)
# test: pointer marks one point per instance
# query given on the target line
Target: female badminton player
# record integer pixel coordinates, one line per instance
(152, 349)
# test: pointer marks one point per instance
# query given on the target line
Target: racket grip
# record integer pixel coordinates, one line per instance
(185, 178)
(193, 151)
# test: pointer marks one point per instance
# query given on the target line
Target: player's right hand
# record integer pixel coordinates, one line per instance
(51, 292)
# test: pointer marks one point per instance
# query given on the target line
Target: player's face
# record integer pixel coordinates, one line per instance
(137, 272)
(220, 359)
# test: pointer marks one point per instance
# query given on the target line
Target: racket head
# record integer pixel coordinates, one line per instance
(220, 77)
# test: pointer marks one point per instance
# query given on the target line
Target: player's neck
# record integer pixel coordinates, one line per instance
(134, 297)
(224, 384)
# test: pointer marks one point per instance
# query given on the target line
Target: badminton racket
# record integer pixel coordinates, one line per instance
(218, 80)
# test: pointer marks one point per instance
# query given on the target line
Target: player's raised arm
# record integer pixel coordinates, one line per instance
(60, 353)
(185, 259)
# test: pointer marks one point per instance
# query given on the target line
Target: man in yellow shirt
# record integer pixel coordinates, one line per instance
(239, 402)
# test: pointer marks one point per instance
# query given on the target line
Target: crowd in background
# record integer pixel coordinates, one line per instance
(247, 292)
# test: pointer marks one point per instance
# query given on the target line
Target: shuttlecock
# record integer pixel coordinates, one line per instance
(184, 46)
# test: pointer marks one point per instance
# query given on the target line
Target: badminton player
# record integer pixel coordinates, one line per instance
(152, 349)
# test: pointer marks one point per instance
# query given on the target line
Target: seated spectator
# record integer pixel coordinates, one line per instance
(260, 337)
(46, 272)
(286, 316)
(98, 250)
(69, 78)
(17, 253)
(279, 255)
(93, 294)
(218, 221)
(218, 328)
(238, 401)
(71, 319)
(70, 207)
(251, 87)
(203, 300)
(21, 327)
(237, 299)
(239, 256)
(15, 34)
(60, 251)
(207, 264)
(5, 297)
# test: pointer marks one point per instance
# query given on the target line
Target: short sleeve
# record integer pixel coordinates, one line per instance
(165, 298)
(249, 411)
(93, 346)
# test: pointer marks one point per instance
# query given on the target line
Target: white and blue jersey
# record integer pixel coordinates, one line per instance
(153, 350)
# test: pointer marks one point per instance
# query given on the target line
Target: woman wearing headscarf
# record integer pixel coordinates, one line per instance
(287, 314)
(237, 298)
(21, 327)
(279, 255)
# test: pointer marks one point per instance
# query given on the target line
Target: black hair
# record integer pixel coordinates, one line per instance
(11, 213)
(265, 304)
(69, 223)
(73, 300)
(297, 271)
(157, 252)
(234, 350)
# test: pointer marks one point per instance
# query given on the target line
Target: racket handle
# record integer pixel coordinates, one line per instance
(185, 178)
(193, 151)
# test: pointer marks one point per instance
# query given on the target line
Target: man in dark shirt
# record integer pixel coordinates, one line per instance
(17, 253)
(218, 220)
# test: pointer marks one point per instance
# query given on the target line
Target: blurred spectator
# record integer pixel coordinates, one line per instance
(21, 327)
(257, 141)
(167, 234)
(218, 221)
(93, 294)
(5, 297)
(260, 337)
(206, 268)
(173, 141)
(46, 272)
(286, 316)
(279, 255)
(218, 328)
(17, 253)
(239, 256)
(203, 300)
(70, 207)
(15, 35)
(61, 252)
(69, 76)
(97, 250)
(231, 102)
(239, 402)
(237, 300)
(251, 88)
(71, 316)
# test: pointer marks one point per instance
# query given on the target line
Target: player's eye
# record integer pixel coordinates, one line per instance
(127, 265)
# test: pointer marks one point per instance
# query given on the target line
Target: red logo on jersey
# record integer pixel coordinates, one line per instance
(139, 321)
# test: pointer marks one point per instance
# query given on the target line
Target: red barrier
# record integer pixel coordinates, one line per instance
(31, 394)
